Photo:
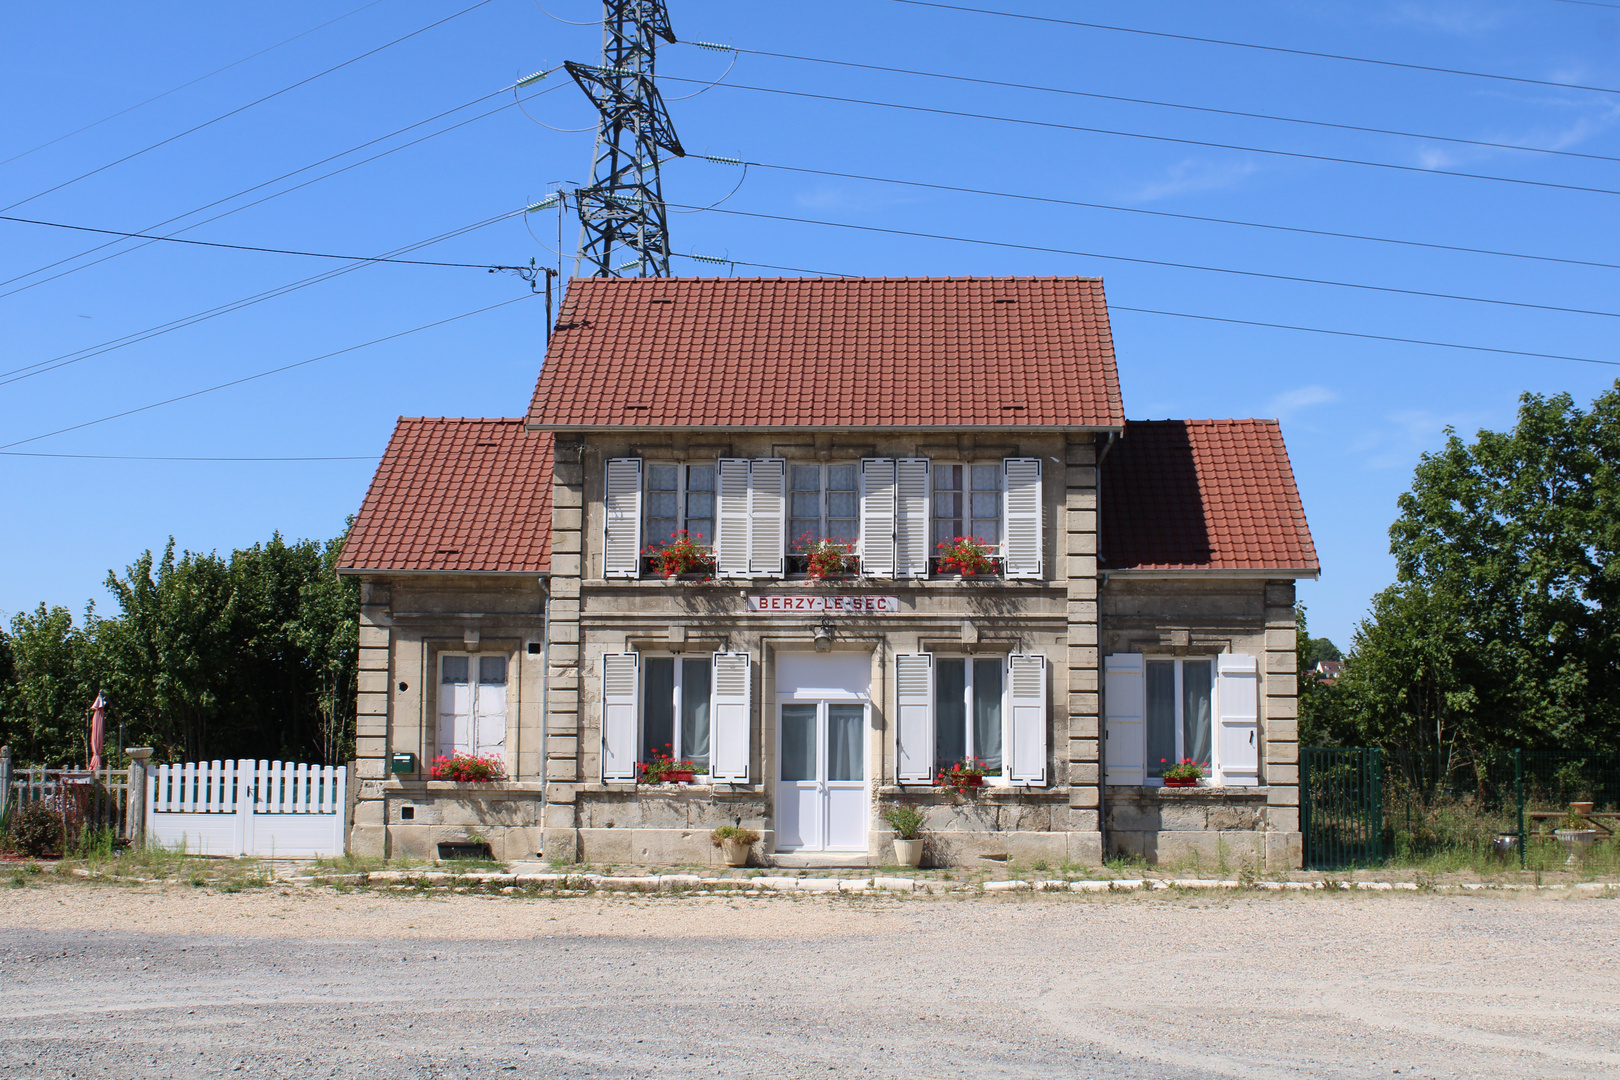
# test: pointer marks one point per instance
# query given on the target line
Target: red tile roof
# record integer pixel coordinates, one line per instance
(844, 352)
(1203, 494)
(457, 494)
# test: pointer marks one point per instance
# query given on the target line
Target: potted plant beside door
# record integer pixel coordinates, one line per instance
(907, 823)
(734, 841)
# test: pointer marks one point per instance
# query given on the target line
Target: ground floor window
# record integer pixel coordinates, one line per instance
(675, 709)
(472, 704)
(967, 711)
(1179, 718)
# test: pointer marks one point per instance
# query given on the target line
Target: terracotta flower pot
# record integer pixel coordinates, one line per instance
(908, 852)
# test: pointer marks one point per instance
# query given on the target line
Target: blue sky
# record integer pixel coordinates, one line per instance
(1356, 412)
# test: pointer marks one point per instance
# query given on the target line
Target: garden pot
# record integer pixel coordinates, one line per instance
(735, 852)
(1505, 845)
(1180, 782)
(1575, 841)
(908, 852)
(679, 776)
(1581, 808)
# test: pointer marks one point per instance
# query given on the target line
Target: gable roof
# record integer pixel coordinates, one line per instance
(1203, 495)
(830, 352)
(456, 495)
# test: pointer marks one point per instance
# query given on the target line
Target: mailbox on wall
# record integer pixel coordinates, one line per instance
(402, 762)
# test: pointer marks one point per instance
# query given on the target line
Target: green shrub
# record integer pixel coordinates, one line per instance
(36, 829)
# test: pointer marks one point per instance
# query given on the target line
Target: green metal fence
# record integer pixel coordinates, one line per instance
(1502, 809)
(1341, 806)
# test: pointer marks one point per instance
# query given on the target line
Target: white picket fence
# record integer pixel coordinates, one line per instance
(263, 808)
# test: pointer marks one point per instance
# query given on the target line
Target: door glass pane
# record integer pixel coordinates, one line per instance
(492, 670)
(845, 756)
(950, 710)
(455, 669)
(695, 713)
(798, 751)
(1161, 715)
(1196, 730)
(987, 714)
(658, 707)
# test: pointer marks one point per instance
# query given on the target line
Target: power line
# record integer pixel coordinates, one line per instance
(243, 108)
(146, 457)
(193, 82)
(261, 374)
(250, 247)
(1174, 265)
(1248, 322)
(1162, 213)
(1264, 48)
(1174, 105)
(275, 195)
(66, 359)
(1158, 138)
(1590, 3)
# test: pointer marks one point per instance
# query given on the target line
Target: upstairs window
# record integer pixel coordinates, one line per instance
(823, 504)
(966, 501)
(679, 497)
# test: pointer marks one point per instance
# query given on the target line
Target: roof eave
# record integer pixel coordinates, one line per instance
(356, 571)
(1296, 572)
(720, 428)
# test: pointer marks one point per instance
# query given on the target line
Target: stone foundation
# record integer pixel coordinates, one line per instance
(1204, 827)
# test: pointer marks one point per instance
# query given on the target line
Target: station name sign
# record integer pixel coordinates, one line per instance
(818, 604)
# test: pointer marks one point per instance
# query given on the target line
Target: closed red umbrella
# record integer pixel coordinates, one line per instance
(98, 730)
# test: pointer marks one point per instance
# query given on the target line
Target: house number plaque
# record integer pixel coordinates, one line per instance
(816, 604)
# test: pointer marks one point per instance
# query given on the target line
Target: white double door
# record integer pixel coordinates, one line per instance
(822, 802)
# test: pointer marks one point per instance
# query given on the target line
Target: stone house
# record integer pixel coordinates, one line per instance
(1139, 608)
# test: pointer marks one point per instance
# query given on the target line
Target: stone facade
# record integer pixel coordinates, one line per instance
(406, 621)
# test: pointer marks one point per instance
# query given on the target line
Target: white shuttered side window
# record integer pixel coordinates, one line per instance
(1021, 523)
(911, 517)
(877, 517)
(914, 726)
(621, 520)
(1026, 700)
(731, 518)
(619, 717)
(1124, 708)
(1237, 696)
(730, 711)
(767, 517)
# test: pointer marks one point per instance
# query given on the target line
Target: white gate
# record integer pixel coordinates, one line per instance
(263, 808)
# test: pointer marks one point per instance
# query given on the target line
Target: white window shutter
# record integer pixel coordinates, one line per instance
(1026, 701)
(911, 517)
(914, 725)
(877, 517)
(1237, 739)
(1124, 710)
(731, 518)
(1021, 524)
(620, 715)
(731, 712)
(621, 520)
(767, 517)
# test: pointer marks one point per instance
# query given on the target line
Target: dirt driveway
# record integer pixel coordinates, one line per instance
(105, 981)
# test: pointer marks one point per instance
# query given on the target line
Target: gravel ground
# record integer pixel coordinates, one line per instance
(180, 982)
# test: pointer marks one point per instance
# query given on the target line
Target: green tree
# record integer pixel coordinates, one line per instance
(1503, 627)
(47, 690)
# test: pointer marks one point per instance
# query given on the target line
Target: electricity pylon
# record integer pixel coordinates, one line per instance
(623, 223)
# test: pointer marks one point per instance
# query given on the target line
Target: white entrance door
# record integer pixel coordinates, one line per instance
(821, 798)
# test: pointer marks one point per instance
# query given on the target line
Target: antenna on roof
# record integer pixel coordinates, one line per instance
(624, 230)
